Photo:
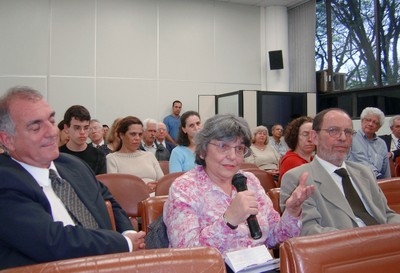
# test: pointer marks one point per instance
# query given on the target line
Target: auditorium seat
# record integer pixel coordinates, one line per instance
(358, 250)
(188, 260)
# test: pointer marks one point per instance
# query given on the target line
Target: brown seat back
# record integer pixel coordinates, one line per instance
(196, 259)
(128, 190)
(246, 165)
(274, 195)
(111, 214)
(359, 250)
(165, 182)
(266, 179)
(164, 164)
(391, 189)
(152, 207)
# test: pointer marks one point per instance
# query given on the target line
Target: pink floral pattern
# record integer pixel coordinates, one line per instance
(193, 215)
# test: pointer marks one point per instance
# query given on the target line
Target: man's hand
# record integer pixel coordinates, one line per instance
(299, 195)
(137, 240)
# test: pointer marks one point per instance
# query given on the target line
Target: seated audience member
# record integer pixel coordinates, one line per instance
(298, 138)
(96, 135)
(369, 149)
(129, 158)
(112, 137)
(37, 224)
(164, 147)
(105, 130)
(77, 119)
(277, 141)
(262, 153)
(393, 140)
(328, 208)
(203, 207)
(62, 135)
(149, 136)
(182, 156)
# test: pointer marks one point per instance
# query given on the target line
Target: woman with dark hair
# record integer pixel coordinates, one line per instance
(182, 157)
(128, 158)
(301, 148)
(205, 209)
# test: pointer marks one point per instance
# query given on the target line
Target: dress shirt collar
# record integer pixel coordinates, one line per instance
(41, 175)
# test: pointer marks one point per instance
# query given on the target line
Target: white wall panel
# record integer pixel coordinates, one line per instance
(73, 38)
(123, 97)
(237, 44)
(126, 38)
(67, 91)
(24, 32)
(186, 40)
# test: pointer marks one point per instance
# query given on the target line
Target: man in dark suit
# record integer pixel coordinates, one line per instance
(36, 226)
(393, 140)
(164, 147)
(328, 209)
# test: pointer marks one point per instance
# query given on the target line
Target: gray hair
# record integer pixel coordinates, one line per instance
(258, 129)
(148, 121)
(372, 111)
(17, 92)
(223, 127)
(392, 120)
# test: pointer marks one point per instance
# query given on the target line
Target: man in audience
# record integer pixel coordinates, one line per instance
(393, 140)
(105, 130)
(277, 141)
(173, 122)
(149, 136)
(37, 224)
(63, 136)
(328, 209)
(369, 149)
(77, 119)
(96, 135)
(164, 147)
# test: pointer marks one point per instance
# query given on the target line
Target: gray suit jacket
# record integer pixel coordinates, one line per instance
(327, 209)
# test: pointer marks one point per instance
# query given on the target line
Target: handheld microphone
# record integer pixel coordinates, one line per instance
(239, 182)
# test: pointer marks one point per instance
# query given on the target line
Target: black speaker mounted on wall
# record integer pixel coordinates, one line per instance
(275, 59)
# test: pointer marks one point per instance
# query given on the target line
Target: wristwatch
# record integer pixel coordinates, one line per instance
(227, 223)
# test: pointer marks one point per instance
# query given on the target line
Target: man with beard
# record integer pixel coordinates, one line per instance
(328, 209)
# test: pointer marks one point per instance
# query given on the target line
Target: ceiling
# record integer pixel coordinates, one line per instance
(266, 3)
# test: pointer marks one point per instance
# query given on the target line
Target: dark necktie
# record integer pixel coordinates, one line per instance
(354, 199)
(398, 144)
(78, 211)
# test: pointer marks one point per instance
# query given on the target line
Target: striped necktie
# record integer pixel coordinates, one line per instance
(78, 211)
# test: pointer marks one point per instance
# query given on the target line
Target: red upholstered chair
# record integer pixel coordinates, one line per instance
(152, 207)
(358, 250)
(246, 165)
(274, 195)
(164, 164)
(266, 179)
(391, 189)
(165, 182)
(128, 190)
(188, 260)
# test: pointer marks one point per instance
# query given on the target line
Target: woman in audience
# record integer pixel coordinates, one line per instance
(204, 209)
(129, 158)
(112, 138)
(301, 148)
(182, 157)
(262, 153)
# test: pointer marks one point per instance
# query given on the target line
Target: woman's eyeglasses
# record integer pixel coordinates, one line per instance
(225, 148)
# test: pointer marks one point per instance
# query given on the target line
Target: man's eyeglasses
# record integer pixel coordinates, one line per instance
(337, 132)
(225, 148)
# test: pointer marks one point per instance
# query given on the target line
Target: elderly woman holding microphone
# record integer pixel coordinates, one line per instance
(205, 208)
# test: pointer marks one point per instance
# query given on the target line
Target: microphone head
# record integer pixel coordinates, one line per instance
(239, 182)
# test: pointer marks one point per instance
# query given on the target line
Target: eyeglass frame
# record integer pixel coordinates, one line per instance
(335, 131)
(246, 150)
